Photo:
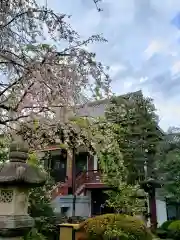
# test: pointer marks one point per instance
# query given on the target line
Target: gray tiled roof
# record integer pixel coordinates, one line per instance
(97, 108)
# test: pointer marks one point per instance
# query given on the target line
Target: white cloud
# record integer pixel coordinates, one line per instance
(143, 79)
(127, 85)
(169, 112)
(115, 69)
(175, 68)
(127, 39)
(155, 46)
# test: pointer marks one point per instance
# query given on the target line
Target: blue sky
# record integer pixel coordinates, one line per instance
(143, 49)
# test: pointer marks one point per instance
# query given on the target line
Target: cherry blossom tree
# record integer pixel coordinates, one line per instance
(40, 80)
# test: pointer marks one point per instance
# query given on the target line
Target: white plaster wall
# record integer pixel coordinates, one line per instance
(82, 208)
(161, 212)
(95, 163)
(83, 205)
(161, 208)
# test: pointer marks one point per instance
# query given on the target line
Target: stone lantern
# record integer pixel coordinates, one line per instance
(16, 179)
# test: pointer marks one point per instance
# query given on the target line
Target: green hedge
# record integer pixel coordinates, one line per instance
(166, 224)
(114, 225)
(174, 230)
(163, 231)
(174, 225)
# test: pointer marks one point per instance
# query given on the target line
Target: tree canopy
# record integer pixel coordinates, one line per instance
(168, 164)
(130, 141)
(42, 81)
(140, 135)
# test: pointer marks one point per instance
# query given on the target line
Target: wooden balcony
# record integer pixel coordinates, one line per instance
(89, 180)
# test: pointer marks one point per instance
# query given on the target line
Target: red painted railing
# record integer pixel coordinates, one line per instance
(60, 189)
(92, 176)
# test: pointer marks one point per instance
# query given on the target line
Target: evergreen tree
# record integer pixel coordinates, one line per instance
(123, 196)
(168, 164)
(131, 137)
(139, 135)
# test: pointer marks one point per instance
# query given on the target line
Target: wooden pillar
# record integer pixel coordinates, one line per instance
(152, 208)
(69, 167)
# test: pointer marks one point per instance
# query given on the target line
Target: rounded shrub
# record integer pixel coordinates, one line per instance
(174, 225)
(116, 225)
(163, 231)
(166, 224)
(174, 229)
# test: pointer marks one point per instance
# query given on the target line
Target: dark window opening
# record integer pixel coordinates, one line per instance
(173, 211)
(56, 163)
(64, 210)
(70, 191)
(81, 162)
(98, 204)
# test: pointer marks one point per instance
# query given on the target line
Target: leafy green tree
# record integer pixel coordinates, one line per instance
(139, 136)
(130, 140)
(168, 164)
(124, 196)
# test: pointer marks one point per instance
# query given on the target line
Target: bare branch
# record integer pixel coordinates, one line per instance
(31, 10)
(96, 3)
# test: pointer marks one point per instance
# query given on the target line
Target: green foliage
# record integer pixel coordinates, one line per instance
(115, 174)
(32, 159)
(166, 224)
(139, 136)
(35, 235)
(116, 225)
(129, 137)
(174, 230)
(40, 209)
(174, 225)
(169, 230)
(163, 231)
(168, 166)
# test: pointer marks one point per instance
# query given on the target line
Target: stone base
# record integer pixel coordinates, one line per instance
(15, 226)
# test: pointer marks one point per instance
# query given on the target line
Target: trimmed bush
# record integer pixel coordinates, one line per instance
(163, 234)
(166, 224)
(174, 225)
(163, 231)
(174, 230)
(116, 225)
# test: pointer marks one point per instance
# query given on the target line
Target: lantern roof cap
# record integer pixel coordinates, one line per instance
(17, 171)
